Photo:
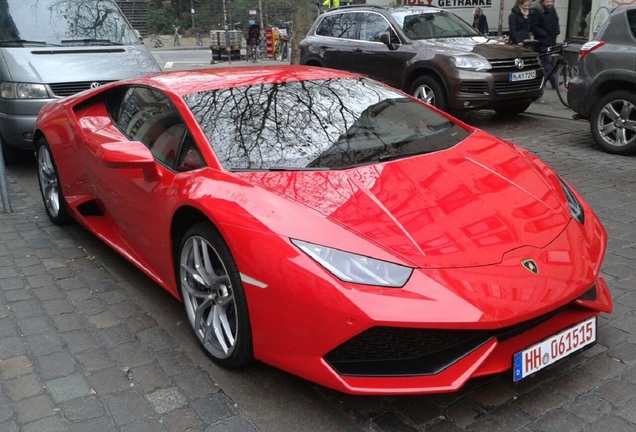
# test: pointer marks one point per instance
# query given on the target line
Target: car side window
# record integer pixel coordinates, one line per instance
(344, 26)
(149, 116)
(324, 28)
(371, 25)
(631, 18)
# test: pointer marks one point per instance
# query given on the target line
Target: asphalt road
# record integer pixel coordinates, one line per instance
(87, 342)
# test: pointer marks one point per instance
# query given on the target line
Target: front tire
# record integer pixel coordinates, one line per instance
(429, 90)
(213, 296)
(50, 186)
(613, 122)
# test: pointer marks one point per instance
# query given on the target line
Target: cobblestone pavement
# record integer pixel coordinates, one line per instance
(87, 343)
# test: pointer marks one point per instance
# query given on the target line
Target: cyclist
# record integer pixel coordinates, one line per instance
(253, 40)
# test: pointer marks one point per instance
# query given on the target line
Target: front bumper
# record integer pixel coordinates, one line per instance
(17, 121)
(481, 90)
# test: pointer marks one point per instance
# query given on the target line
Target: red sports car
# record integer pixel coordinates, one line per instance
(330, 226)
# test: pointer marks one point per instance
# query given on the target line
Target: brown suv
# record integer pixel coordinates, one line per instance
(427, 52)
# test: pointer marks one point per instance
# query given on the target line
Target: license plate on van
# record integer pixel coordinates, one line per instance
(554, 348)
(522, 76)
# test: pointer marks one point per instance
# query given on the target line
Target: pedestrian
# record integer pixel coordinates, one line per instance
(331, 4)
(177, 37)
(479, 21)
(544, 25)
(519, 22)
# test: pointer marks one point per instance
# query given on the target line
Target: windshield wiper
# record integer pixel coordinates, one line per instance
(22, 41)
(90, 41)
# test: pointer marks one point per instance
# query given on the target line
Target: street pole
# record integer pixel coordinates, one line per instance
(260, 10)
(224, 16)
(192, 12)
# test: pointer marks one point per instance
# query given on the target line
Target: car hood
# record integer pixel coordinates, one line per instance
(466, 206)
(485, 47)
(42, 64)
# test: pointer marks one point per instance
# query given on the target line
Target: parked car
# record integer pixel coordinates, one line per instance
(604, 91)
(427, 52)
(51, 49)
(330, 225)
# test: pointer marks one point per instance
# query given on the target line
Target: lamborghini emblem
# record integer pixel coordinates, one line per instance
(530, 265)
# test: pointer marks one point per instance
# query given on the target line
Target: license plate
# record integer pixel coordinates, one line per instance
(522, 76)
(556, 347)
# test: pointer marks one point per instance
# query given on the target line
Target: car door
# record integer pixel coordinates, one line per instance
(336, 40)
(138, 204)
(374, 58)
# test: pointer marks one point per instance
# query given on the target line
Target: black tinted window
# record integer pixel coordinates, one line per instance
(631, 18)
(335, 123)
(149, 116)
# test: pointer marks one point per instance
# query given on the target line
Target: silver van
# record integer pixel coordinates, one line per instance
(55, 48)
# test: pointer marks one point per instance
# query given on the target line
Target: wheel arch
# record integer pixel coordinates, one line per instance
(609, 85)
(182, 220)
(420, 71)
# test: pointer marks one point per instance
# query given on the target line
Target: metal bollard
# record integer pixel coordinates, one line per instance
(4, 185)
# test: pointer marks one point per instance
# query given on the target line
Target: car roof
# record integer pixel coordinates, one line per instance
(191, 81)
(366, 7)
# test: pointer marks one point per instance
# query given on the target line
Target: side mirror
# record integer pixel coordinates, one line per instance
(385, 38)
(138, 35)
(129, 155)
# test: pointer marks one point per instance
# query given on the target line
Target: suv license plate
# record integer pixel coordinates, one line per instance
(554, 348)
(522, 76)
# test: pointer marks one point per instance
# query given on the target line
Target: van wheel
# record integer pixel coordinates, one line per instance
(612, 122)
(429, 90)
(13, 155)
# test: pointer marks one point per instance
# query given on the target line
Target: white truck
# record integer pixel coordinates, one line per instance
(579, 19)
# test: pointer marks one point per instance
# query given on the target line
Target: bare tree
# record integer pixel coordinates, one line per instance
(303, 15)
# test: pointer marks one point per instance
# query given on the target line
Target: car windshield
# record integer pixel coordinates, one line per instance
(63, 23)
(322, 124)
(418, 24)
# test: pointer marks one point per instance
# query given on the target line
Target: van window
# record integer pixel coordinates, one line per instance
(63, 23)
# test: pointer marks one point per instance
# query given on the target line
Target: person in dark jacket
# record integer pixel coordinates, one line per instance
(519, 22)
(544, 25)
(479, 21)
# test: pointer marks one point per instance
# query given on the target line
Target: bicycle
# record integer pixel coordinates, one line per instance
(252, 52)
(561, 70)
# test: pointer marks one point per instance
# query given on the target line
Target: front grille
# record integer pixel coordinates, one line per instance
(395, 351)
(505, 87)
(475, 87)
(71, 88)
(508, 65)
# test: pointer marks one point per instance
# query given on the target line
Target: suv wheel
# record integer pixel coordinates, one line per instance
(613, 122)
(429, 90)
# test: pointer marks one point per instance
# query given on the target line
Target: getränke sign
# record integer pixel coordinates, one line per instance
(448, 3)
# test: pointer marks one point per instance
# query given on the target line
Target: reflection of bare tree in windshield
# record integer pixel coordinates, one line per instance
(317, 124)
(70, 22)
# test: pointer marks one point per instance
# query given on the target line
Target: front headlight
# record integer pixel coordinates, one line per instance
(469, 62)
(354, 268)
(576, 209)
(11, 90)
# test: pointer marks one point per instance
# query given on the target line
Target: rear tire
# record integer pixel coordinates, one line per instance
(429, 90)
(50, 185)
(613, 122)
